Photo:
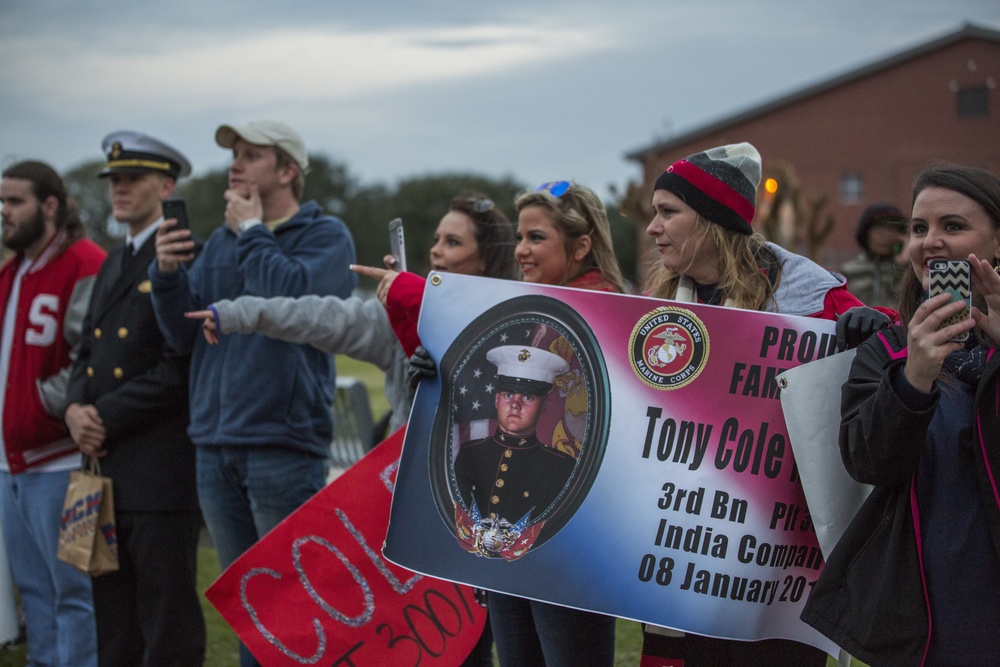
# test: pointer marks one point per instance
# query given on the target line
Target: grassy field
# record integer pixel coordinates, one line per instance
(222, 649)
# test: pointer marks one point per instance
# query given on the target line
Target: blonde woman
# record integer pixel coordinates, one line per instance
(709, 253)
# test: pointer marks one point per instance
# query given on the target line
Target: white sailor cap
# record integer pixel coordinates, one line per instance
(526, 370)
(129, 152)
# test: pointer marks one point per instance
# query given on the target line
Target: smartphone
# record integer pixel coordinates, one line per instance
(176, 208)
(397, 246)
(952, 276)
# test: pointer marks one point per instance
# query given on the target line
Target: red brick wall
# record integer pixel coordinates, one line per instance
(885, 126)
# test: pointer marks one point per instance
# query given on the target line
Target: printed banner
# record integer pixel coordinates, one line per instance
(614, 453)
(315, 590)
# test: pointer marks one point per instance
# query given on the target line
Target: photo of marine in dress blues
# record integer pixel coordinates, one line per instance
(526, 430)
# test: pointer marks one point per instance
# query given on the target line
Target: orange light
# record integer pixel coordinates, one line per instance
(771, 186)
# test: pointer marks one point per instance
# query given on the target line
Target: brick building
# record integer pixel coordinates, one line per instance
(861, 137)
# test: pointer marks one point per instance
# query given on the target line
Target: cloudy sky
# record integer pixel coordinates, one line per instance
(536, 90)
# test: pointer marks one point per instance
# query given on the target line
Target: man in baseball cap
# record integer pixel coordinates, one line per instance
(266, 133)
(260, 407)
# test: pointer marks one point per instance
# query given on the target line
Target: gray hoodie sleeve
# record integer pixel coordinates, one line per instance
(355, 327)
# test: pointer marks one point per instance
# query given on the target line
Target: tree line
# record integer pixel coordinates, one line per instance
(420, 201)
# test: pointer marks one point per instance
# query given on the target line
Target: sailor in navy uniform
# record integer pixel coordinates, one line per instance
(128, 405)
(511, 475)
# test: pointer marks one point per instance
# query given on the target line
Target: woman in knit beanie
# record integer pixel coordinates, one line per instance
(709, 253)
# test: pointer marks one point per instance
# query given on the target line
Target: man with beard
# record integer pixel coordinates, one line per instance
(44, 291)
(127, 405)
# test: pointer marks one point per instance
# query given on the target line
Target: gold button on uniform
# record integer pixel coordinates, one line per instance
(499, 483)
(118, 373)
(122, 332)
(90, 371)
(507, 454)
(97, 332)
(503, 467)
(495, 499)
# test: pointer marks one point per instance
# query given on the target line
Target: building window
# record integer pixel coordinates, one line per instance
(852, 188)
(973, 102)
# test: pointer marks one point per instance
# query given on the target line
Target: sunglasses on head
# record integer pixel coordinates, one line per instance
(482, 205)
(555, 188)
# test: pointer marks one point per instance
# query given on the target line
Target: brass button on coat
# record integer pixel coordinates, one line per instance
(122, 332)
(118, 373)
(90, 371)
(97, 332)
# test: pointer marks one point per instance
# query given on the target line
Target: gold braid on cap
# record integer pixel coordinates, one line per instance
(143, 164)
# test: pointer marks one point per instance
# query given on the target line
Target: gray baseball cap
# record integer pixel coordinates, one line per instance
(266, 133)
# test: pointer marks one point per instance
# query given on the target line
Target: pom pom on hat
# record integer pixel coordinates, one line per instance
(720, 184)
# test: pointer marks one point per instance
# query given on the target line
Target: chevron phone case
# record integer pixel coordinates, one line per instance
(952, 276)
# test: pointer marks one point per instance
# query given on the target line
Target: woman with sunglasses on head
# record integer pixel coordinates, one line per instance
(709, 253)
(470, 239)
(921, 422)
(563, 238)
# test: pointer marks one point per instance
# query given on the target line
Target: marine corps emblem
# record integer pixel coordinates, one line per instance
(668, 348)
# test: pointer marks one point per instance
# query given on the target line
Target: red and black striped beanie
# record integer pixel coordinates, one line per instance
(720, 184)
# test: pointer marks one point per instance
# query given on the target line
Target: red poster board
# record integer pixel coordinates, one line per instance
(316, 590)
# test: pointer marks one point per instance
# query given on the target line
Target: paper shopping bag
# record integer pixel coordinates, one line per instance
(87, 537)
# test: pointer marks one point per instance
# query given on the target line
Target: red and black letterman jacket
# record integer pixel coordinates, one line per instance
(51, 304)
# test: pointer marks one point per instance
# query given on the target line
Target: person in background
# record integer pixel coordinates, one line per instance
(127, 405)
(875, 273)
(709, 253)
(920, 422)
(262, 437)
(473, 238)
(44, 290)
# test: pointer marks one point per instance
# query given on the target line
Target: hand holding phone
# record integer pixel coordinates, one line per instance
(952, 276)
(170, 251)
(397, 246)
(177, 209)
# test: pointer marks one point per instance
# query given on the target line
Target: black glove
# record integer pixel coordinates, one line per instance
(421, 366)
(857, 324)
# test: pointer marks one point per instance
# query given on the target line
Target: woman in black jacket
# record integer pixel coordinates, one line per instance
(915, 580)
